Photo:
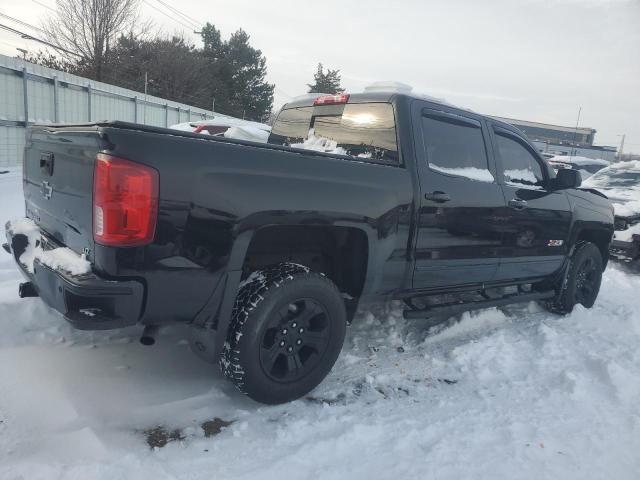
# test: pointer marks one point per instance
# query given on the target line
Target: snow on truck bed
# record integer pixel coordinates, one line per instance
(513, 393)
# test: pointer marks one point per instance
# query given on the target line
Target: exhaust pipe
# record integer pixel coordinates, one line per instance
(27, 289)
(149, 333)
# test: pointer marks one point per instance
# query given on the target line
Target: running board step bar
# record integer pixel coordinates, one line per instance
(455, 308)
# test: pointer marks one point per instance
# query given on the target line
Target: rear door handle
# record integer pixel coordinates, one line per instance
(517, 204)
(438, 197)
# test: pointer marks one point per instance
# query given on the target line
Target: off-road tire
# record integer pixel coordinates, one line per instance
(259, 304)
(568, 294)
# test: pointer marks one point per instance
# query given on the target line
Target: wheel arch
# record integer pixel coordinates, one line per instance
(342, 253)
(600, 237)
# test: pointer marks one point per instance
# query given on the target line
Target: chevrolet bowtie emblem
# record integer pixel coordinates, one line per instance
(46, 190)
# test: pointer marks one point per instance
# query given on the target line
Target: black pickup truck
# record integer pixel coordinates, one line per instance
(266, 250)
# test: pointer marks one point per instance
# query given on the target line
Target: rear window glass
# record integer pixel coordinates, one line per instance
(366, 131)
(291, 126)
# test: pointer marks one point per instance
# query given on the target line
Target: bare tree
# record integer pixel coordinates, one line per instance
(90, 28)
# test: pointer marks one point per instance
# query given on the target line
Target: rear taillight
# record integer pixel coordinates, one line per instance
(332, 99)
(125, 202)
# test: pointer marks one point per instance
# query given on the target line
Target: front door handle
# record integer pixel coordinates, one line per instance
(438, 197)
(517, 204)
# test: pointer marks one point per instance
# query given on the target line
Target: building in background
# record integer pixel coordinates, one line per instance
(559, 140)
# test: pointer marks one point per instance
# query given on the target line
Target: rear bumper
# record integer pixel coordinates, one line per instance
(87, 301)
(625, 250)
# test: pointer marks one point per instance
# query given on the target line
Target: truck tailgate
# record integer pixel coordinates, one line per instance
(58, 184)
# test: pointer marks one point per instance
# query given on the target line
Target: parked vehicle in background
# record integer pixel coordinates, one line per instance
(228, 127)
(621, 183)
(266, 250)
(586, 166)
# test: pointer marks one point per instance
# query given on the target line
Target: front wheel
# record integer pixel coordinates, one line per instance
(582, 283)
(287, 329)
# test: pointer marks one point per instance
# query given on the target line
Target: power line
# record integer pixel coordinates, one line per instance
(168, 15)
(43, 5)
(27, 36)
(20, 22)
(186, 17)
(283, 93)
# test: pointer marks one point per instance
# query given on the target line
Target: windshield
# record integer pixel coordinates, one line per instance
(614, 178)
(363, 130)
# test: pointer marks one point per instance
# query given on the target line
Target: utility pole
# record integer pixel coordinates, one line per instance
(620, 150)
(575, 133)
(144, 109)
(213, 106)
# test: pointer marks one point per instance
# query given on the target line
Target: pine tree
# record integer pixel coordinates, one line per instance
(237, 74)
(230, 71)
(326, 82)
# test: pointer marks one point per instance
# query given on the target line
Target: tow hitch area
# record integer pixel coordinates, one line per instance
(26, 290)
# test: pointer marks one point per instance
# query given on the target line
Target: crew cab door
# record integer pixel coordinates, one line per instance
(538, 219)
(458, 228)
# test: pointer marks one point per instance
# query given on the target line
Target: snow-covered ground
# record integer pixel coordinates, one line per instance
(501, 394)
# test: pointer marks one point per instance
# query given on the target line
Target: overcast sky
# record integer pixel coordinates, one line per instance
(537, 60)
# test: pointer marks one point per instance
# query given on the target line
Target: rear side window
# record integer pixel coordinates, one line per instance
(456, 148)
(366, 131)
(519, 166)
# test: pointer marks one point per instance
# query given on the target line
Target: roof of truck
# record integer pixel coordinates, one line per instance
(363, 97)
(387, 96)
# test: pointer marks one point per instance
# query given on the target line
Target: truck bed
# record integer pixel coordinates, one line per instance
(214, 194)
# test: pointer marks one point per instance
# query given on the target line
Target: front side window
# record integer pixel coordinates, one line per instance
(455, 148)
(519, 166)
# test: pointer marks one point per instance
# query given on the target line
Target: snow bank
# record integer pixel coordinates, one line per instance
(183, 127)
(627, 235)
(248, 133)
(319, 144)
(627, 208)
(388, 86)
(220, 121)
(473, 173)
(58, 258)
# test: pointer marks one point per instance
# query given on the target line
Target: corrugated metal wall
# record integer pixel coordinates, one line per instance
(34, 94)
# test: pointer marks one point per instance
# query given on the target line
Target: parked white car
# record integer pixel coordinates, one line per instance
(586, 166)
(228, 127)
(621, 183)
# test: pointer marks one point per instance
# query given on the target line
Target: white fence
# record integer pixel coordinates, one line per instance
(34, 94)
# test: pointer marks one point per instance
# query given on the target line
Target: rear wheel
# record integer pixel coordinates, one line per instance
(286, 333)
(582, 283)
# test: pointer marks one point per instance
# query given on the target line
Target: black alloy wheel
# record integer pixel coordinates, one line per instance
(295, 340)
(286, 332)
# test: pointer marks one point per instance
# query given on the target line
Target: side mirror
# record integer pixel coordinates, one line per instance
(568, 178)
